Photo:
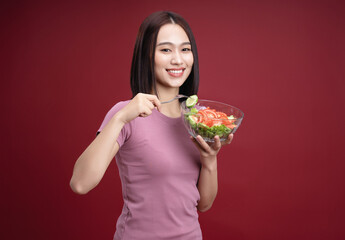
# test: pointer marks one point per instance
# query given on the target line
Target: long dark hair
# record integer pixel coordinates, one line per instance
(142, 71)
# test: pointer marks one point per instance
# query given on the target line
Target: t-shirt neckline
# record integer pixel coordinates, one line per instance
(167, 119)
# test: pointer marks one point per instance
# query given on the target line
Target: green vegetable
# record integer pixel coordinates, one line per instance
(191, 101)
(192, 121)
(193, 110)
(210, 132)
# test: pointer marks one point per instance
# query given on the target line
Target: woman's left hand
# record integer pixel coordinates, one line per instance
(209, 151)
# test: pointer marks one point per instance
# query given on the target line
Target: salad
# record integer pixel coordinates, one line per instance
(208, 122)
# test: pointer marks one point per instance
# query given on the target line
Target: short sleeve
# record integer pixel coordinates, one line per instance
(125, 132)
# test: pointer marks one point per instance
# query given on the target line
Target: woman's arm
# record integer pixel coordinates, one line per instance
(208, 186)
(208, 179)
(94, 161)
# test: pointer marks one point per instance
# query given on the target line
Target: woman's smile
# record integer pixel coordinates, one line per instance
(175, 72)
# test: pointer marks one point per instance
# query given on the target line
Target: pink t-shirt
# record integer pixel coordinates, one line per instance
(159, 168)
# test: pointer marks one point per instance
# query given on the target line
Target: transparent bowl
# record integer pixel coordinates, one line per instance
(209, 125)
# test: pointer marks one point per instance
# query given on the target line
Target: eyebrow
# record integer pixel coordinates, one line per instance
(170, 43)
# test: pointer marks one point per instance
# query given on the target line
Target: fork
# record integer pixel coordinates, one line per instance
(177, 97)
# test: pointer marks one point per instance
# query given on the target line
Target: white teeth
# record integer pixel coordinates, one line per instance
(175, 71)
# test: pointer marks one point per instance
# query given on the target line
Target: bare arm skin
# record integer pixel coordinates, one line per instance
(208, 179)
(94, 161)
(90, 167)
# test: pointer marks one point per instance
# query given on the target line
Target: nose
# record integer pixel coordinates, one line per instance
(176, 59)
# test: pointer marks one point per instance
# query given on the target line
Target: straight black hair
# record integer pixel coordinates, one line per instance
(142, 71)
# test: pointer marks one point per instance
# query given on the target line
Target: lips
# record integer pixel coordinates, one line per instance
(175, 72)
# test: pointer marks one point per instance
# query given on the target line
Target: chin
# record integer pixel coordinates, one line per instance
(177, 84)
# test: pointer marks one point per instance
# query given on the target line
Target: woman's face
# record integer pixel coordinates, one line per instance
(173, 56)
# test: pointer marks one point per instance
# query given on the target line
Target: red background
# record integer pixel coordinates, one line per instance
(64, 64)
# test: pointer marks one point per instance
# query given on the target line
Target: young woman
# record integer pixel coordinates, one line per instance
(166, 175)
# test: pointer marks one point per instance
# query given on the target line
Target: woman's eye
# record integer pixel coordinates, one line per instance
(186, 49)
(165, 50)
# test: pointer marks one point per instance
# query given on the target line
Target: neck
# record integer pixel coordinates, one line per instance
(165, 93)
(171, 109)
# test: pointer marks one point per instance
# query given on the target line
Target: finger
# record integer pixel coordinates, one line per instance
(217, 144)
(228, 140)
(145, 112)
(153, 99)
(203, 144)
(149, 104)
(196, 143)
(231, 136)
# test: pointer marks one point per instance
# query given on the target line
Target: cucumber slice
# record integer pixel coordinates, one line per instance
(192, 121)
(193, 110)
(202, 126)
(191, 101)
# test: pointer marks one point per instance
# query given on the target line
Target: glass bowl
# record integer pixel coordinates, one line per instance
(210, 118)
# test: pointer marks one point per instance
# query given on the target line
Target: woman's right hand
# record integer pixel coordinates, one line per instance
(140, 106)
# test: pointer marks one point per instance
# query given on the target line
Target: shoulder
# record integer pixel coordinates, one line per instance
(117, 107)
(120, 104)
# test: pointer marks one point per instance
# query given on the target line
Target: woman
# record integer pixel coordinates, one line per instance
(165, 174)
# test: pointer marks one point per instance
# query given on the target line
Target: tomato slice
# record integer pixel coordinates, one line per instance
(200, 118)
(208, 122)
(210, 113)
(221, 115)
(217, 122)
(211, 117)
(202, 113)
(232, 126)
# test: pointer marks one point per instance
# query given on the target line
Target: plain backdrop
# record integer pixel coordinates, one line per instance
(64, 64)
